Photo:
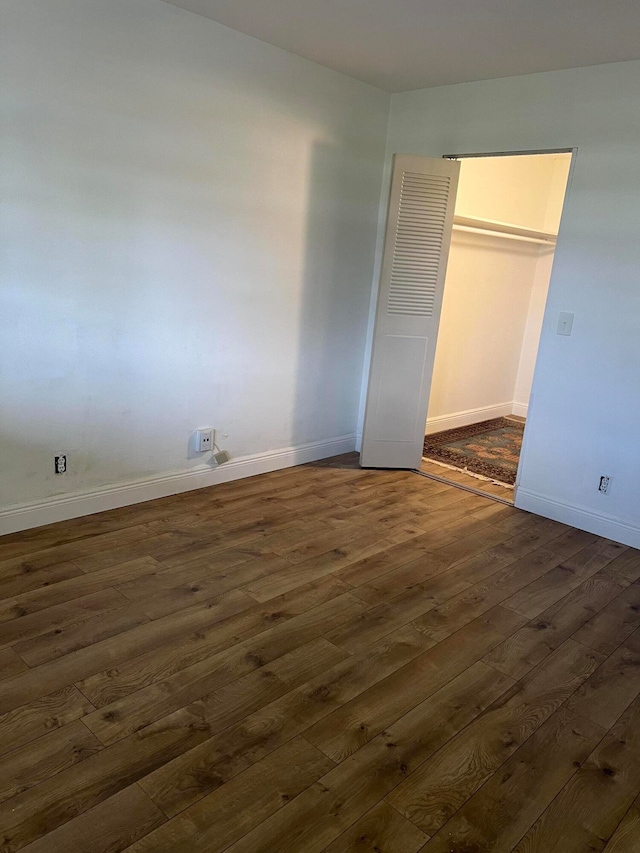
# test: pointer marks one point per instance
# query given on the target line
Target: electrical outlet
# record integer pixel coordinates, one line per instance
(204, 440)
(605, 484)
(60, 463)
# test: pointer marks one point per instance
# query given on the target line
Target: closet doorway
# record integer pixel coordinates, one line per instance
(506, 219)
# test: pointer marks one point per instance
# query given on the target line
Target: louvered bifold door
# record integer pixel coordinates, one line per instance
(414, 262)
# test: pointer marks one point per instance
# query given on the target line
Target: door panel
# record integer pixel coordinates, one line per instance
(414, 263)
(403, 356)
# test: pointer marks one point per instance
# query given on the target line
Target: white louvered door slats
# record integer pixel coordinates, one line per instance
(414, 261)
(418, 244)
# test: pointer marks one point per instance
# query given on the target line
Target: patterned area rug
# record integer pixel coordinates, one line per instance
(491, 448)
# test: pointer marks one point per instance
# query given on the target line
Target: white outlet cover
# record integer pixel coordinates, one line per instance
(204, 440)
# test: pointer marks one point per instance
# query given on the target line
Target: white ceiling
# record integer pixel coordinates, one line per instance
(411, 44)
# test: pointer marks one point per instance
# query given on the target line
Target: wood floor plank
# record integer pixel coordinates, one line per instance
(502, 811)
(217, 539)
(535, 536)
(212, 692)
(446, 496)
(597, 797)
(354, 724)
(487, 592)
(481, 566)
(155, 546)
(112, 825)
(381, 830)
(315, 818)
(364, 570)
(572, 541)
(358, 493)
(218, 668)
(10, 663)
(613, 623)
(335, 515)
(400, 579)
(368, 627)
(309, 661)
(554, 585)
(27, 627)
(325, 563)
(163, 578)
(68, 590)
(523, 650)
(496, 514)
(296, 618)
(607, 693)
(70, 638)
(30, 579)
(627, 565)
(444, 783)
(100, 540)
(625, 838)
(223, 708)
(42, 758)
(199, 771)
(381, 513)
(456, 525)
(306, 662)
(515, 522)
(245, 801)
(33, 813)
(79, 665)
(172, 598)
(468, 546)
(41, 716)
(74, 544)
(294, 534)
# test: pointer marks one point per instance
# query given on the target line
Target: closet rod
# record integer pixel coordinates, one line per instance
(503, 229)
(471, 230)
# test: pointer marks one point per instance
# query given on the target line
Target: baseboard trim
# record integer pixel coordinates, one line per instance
(519, 409)
(64, 507)
(469, 416)
(620, 530)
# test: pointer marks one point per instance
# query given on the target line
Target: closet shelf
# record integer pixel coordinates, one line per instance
(503, 229)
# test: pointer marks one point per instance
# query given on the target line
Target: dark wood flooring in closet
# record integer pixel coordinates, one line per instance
(319, 659)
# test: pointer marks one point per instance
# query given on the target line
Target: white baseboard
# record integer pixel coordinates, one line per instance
(63, 507)
(519, 409)
(620, 530)
(469, 416)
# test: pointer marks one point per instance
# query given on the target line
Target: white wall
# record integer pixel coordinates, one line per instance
(585, 409)
(540, 288)
(487, 338)
(484, 313)
(523, 190)
(188, 230)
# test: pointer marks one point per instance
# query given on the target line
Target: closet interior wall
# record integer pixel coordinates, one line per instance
(496, 290)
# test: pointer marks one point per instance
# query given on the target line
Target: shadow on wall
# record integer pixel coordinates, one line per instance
(335, 296)
(105, 389)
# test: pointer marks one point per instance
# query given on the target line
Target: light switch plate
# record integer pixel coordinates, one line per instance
(565, 323)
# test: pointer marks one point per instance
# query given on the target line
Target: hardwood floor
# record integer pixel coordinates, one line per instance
(453, 476)
(319, 659)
